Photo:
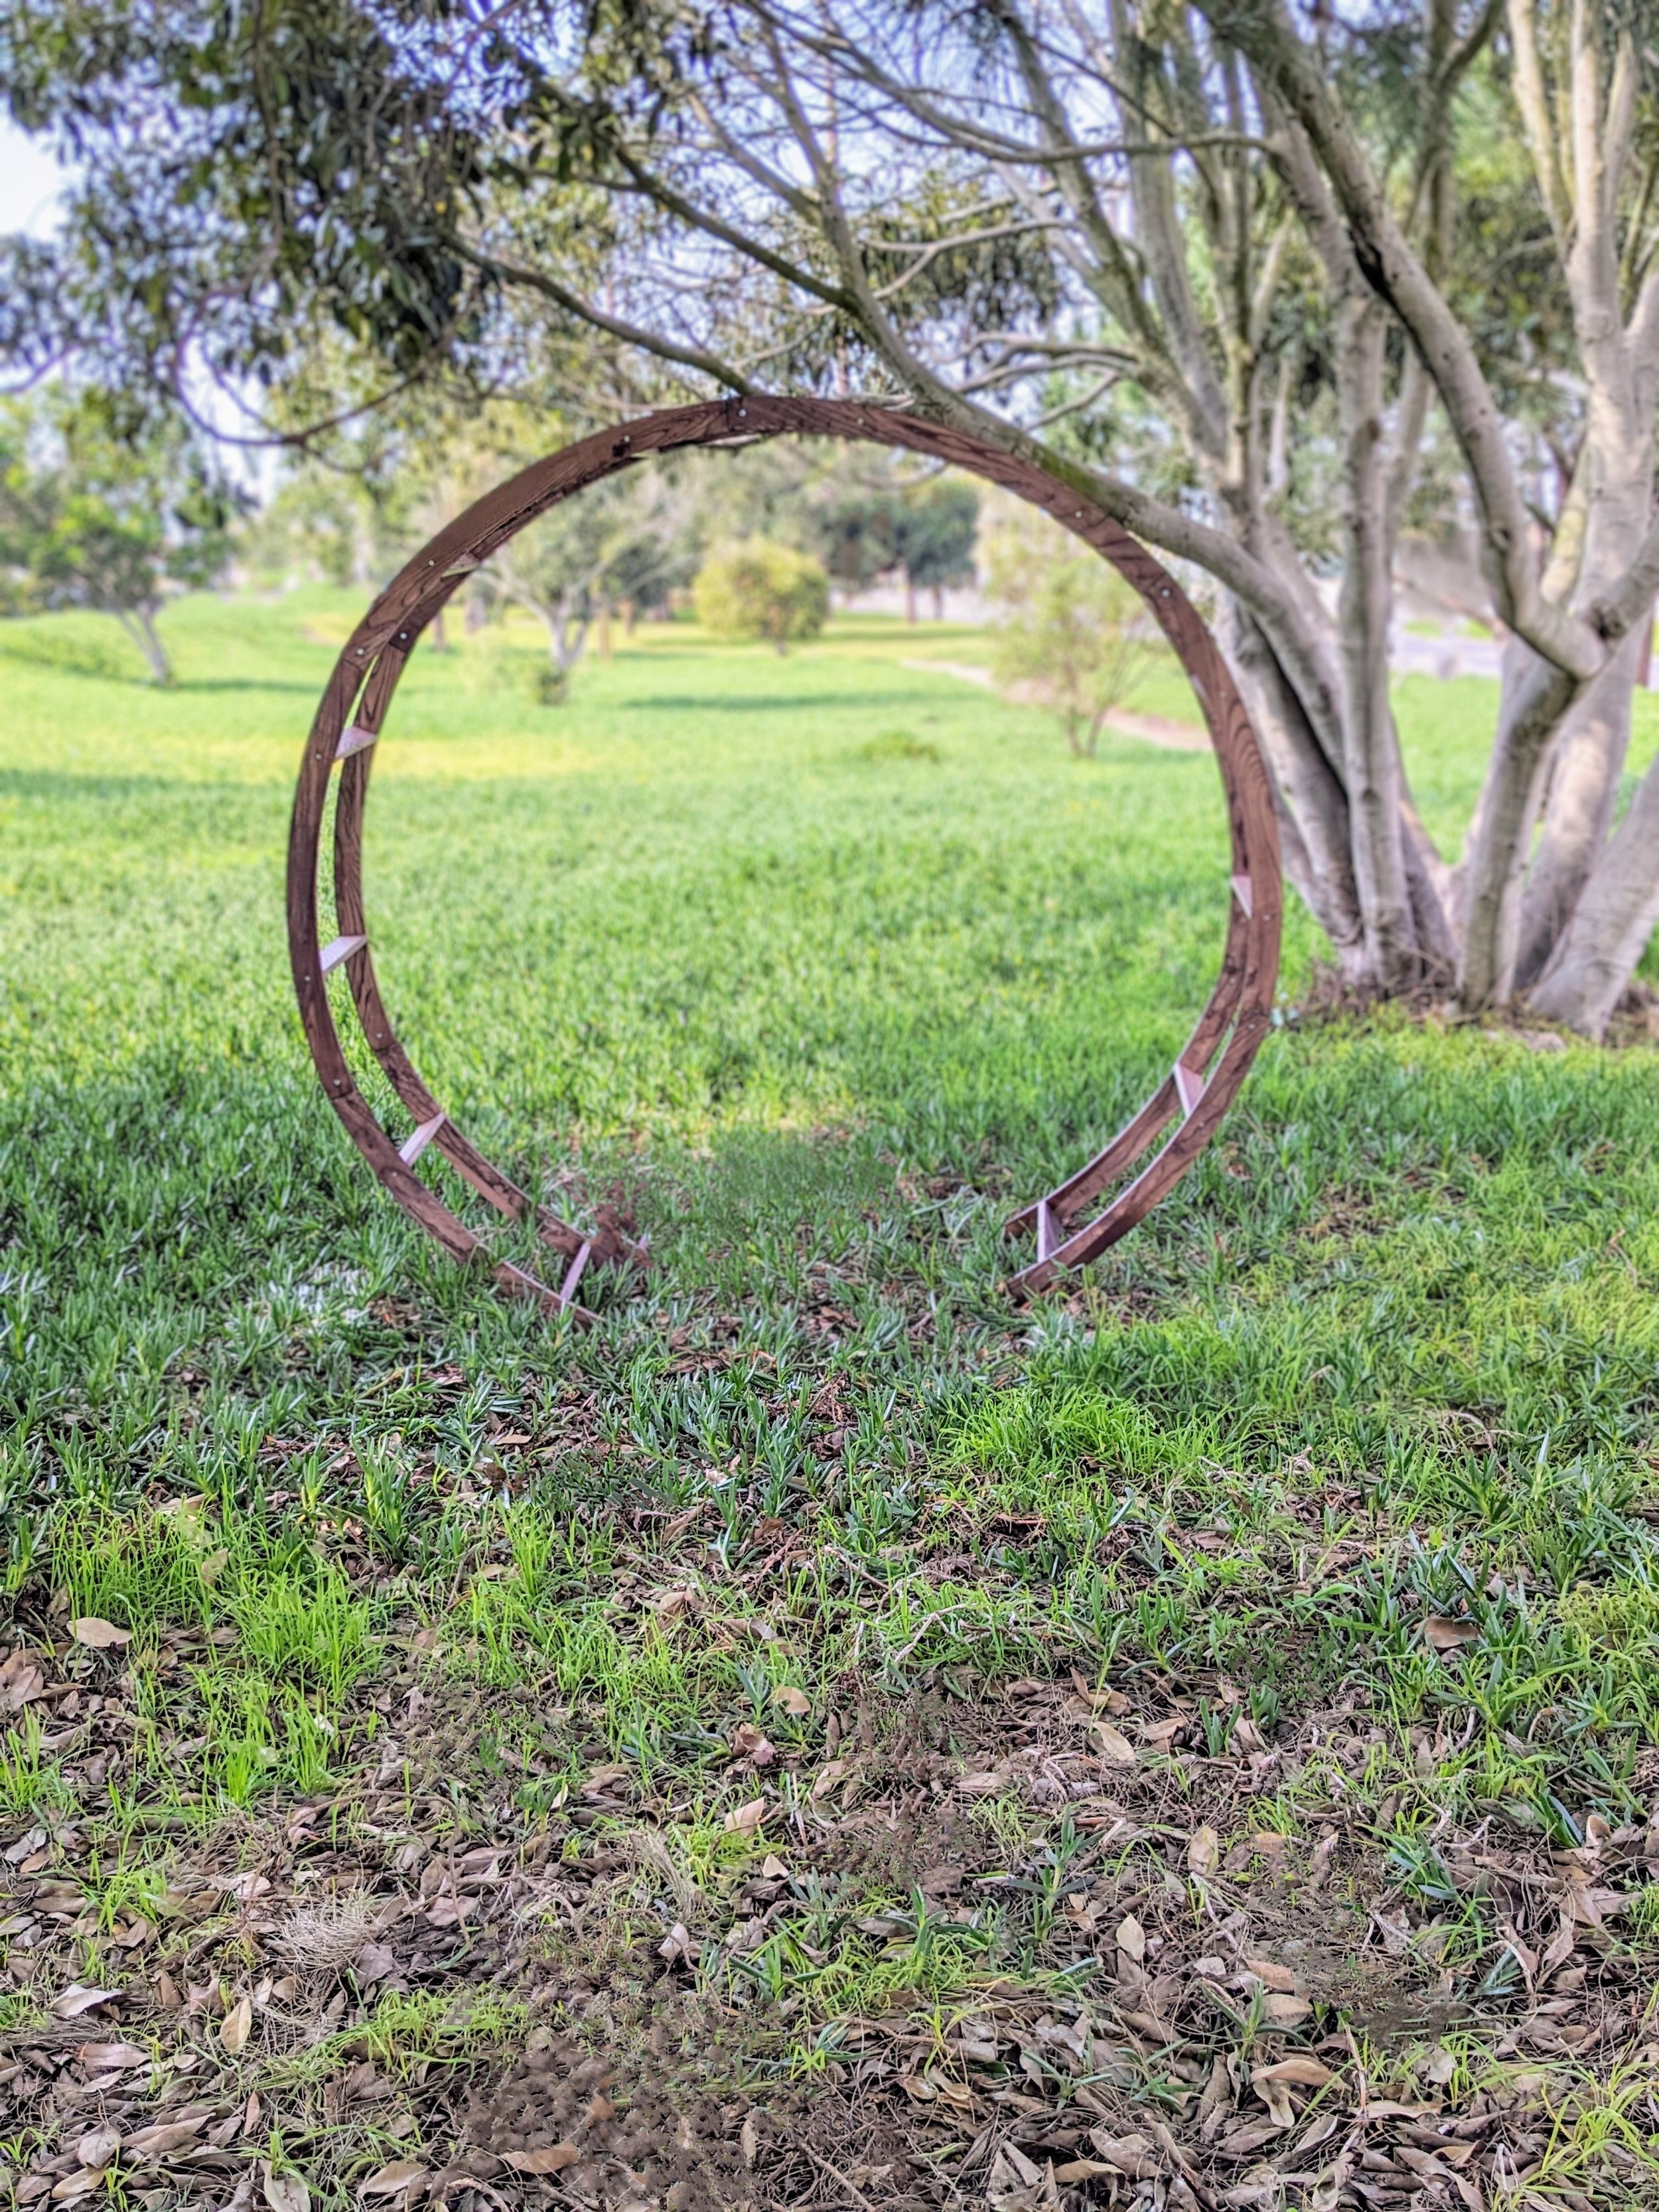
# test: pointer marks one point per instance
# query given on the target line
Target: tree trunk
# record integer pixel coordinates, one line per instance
(1588, 760)
(139, 623)
(1312, 806)
(1373, 770)
(909, 600)
(1534, 698)
(1610, 927)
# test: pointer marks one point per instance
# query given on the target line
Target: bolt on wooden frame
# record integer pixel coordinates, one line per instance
(352, 716)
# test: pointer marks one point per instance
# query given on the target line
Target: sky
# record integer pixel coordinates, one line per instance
(29, 182)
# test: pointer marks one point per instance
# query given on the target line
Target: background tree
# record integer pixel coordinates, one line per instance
(89, 520)
(937, 524)
(1070, 630)
(1203, 261)
(762, 591)
(630, 534)
(858, 537)
(321, 525)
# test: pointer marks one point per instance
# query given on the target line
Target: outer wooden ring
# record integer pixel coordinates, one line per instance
(1195, 1094)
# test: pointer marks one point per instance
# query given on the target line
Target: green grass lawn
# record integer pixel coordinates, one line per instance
(823, 1734)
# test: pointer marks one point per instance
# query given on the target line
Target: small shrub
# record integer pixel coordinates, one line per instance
(1073, 633)
(898, 744)
(758, 590)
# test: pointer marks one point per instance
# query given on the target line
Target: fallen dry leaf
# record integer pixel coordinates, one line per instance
(603, 1781)
(394, 2180)
(106, 2057)
(1283, 2011)
(1271, 1974)
(743, 1819)
(1301, 2072)
(553, 2160)
(792, 1700)
(750, 1742)
(1013, 2179)
(77, 1998)
(1240, 2142)
(151, 2143)
(283, 2192)
(80, 2183)
(669, 1605)
(21, 1679)
(96, 2150)
(677, 1944)
(1203, 1851)
(1111, 1743)
(1134, 2156)
(374, 1962)
(987, 1784)
(99, 1635)
(1446, 1634)
(1132, 1939)
(1277, 2097)
(236, 2026)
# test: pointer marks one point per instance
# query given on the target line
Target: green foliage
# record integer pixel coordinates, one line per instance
(1071, 628)
(89, 520)
(937, 525)
(263, 155)
(857, 535)
(925, 531)
(761, 591)
(320, 526)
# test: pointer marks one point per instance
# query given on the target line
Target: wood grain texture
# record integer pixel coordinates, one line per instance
(352, 714)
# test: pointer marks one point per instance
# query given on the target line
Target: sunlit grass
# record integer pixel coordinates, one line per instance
(816, 1003)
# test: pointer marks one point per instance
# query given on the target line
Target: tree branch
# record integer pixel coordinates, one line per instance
(1262, 33)
(666, 349)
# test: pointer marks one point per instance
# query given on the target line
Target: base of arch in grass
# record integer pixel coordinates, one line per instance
(1071, 1223)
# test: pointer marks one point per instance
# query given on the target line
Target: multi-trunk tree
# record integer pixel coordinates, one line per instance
(1262, 282)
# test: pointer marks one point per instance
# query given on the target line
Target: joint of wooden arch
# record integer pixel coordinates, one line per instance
(341, 949)
(1207, 1075)
(1190, 1085)
(418, 1139)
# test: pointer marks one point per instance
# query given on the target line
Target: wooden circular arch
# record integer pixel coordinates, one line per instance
(351, 718)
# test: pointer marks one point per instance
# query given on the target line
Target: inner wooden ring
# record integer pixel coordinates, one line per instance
(1195, 1094)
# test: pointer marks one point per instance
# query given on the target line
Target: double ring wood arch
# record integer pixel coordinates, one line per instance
(352, 717)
